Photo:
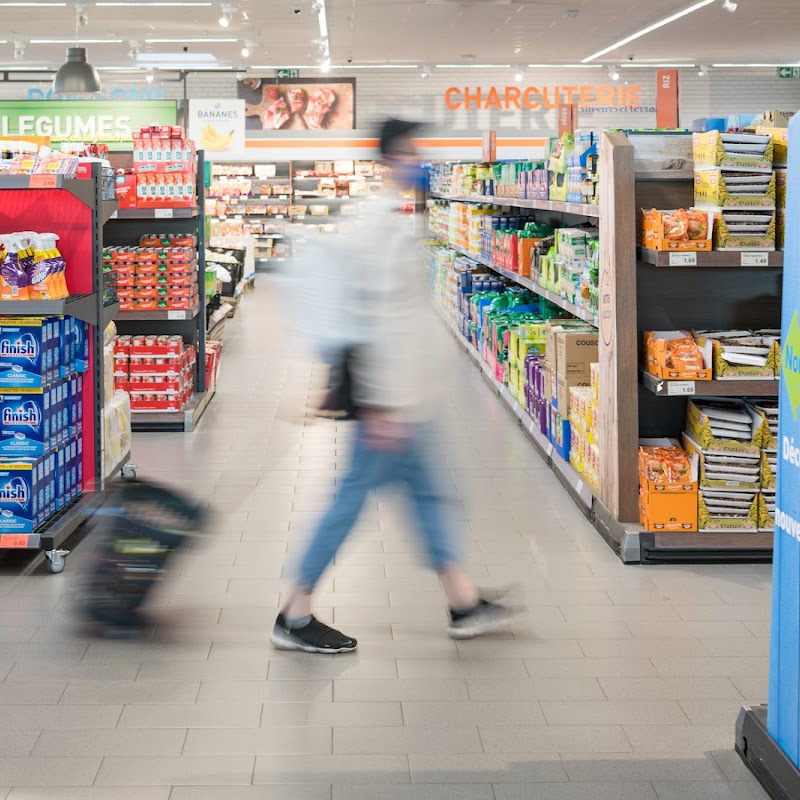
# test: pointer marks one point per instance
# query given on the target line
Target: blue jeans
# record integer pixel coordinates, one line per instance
(370, 469)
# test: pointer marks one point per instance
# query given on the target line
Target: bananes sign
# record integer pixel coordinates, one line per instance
(596, 98)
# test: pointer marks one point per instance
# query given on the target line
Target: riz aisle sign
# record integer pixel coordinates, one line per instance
(589, 98)
(109, 122)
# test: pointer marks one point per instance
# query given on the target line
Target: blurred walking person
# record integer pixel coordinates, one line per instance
(387, 379)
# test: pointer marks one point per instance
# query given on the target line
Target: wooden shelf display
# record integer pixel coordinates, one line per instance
(646, 290)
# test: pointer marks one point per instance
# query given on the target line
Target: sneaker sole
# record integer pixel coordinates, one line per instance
(479, 628)
(281, 641)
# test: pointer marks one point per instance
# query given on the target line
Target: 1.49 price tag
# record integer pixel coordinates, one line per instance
(755, 259)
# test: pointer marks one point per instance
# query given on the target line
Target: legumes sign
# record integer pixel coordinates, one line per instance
(534, 98)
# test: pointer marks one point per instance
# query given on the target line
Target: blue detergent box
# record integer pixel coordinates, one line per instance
(30, 352)
(80, 335)
(66, 336)
(23, 493)
(31, 424)
(69, 471)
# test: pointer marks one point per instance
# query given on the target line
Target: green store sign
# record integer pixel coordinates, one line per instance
(110, 122)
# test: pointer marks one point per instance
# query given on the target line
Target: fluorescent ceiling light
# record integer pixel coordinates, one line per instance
(375, 66)
(757, 66)
(83, 41)
(659, 66)
(32, 5)
(177, 58)
(473, 66)
(650, 28)
(189, 41)
(151, 4)
(565, 66)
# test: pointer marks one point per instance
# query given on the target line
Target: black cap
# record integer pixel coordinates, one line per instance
(392, 130)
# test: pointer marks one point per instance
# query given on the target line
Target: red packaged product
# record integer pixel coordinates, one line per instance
(125, 293)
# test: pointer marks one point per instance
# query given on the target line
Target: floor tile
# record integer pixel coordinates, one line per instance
(285, 792)
(201, 715)
(555, 739)
(624, 767)
(708, 791)
(78, 743)
(466, 714)
(329, 714)
(481, 768)
(17, 742)
(89, 793)
(377, 792)
(612, 712)
(677, 738)
(575, 791)
(185, 771)
(258, 741)
(49, 771)
(355, 769)
(405, 740)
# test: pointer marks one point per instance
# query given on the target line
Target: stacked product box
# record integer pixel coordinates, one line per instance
(584, 421)
(164, 173)
(668, 486)
(735, 178)
(41, 418)
(159, 275)
(583, 169)
(735, 443)
(524, 341)
(157, 371)
(213, 361)
(571, 267)
(780, 155)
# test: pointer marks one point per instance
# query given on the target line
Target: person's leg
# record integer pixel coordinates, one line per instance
(470, 615)
(368, 469)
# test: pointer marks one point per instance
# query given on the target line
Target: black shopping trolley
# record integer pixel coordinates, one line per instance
(142, 526)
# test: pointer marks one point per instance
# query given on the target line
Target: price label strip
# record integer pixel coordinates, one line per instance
(755, 259)
(18, 541)
(164, 213)
(683, 259)
(680, 388)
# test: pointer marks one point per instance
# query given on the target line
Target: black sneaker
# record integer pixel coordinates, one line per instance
(486, 617)
(316, 637)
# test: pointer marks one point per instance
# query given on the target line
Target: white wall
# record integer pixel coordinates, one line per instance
(404, 93)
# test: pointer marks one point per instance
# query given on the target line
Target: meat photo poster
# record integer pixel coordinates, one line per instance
(296, 104)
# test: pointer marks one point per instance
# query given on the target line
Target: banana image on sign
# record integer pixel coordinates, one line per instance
(218, 126)
(212, 139)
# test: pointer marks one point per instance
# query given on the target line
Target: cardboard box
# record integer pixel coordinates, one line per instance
(699, 428)
(656, 355)
(725, 371)
(729, 237)
(725, 471)
(563, 384)
(716, 149)
(781, 183)
(27, 493)
(653, 234)
(780, 143)
(742, 523)
(766, 511)
(576, 351)
(716, 189)
(675, 512)
(647, 485)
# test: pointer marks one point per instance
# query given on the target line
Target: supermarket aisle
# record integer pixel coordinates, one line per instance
(623, 683)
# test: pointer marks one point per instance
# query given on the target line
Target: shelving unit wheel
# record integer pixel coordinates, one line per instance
(55, 560)
(129, 472)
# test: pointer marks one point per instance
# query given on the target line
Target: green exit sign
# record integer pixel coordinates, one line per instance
(789, 72)
(287, 73)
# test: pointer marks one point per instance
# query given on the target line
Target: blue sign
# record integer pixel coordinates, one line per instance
(109, 93)
(783, 709)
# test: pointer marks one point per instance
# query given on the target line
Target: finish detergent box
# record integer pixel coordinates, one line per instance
(25, 486)
(33, 424)
(30, 352)
(69, 471)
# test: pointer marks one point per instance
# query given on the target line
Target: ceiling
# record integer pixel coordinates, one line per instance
(411, 31)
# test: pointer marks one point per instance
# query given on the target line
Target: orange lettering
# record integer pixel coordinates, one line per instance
(546, 99)
(448, 98)
(633, 96)
(493, 99)
(570, 92)
(513, 94)
(530, 104)
(620, 96)
(605, 96)
(473, 98)
(588, 97)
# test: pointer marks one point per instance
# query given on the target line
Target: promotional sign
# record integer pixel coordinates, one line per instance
(667, 102)
(109, 122)
(273, 104)
(783, 709)
(106, 93)
(619, 97)
(567, 118)
(217, 125)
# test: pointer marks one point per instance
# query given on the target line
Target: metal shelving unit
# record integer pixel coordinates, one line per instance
(80, 226)
(578, 209)
(126, 228)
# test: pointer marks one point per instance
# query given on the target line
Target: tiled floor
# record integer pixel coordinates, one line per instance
(622, 684)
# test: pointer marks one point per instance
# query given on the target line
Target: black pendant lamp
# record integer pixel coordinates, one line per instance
(77, 75)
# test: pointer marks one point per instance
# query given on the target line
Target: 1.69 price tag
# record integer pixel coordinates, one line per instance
(683, 259)
(680, 388)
